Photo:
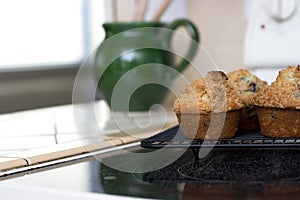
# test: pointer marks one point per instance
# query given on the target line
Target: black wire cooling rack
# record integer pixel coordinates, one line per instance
(173, 138)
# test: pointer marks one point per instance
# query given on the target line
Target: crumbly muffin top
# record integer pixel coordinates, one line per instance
(209, 94)
(282, 93)
(246, 85)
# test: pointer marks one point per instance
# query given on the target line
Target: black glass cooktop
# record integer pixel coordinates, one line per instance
(232, 173)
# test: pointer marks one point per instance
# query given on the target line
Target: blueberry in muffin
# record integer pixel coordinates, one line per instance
(246, 86)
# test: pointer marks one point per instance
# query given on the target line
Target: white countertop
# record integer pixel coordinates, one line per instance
(41, 135)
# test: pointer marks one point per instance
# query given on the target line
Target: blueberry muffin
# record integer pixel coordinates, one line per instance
(208, 108)
(278, 106)
(246, 86)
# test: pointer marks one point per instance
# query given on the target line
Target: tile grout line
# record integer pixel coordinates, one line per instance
(55, 129)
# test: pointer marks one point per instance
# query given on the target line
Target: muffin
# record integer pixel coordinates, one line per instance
(246, 86)
(278, 106)
(208, 108)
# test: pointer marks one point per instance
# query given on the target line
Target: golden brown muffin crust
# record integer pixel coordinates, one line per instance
(279, 122)
(209, 94)
(245, 84)
(284, 92)
(209, 126)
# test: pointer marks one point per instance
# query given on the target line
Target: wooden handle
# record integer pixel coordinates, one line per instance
(161, 10)
(140, 10)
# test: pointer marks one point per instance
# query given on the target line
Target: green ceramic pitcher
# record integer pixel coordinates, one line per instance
(123, 42)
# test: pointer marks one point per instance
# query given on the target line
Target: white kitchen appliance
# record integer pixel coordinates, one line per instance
(272, 37)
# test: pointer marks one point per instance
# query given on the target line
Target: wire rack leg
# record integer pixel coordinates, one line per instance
(195, 151)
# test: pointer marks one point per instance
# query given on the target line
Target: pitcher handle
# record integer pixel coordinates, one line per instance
(193, 33)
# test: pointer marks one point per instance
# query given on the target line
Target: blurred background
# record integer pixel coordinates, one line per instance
(44, 42)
